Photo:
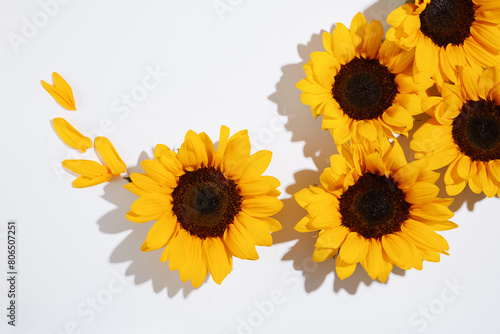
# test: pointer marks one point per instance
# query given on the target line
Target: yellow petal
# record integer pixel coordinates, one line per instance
(169, 159)
(488, 80)
(342, 45)
(257, 164)
(134, 217)
(240, 242)
(332, 238)
(426, 60)
(264, 185)
(261, 206)
(215, 256)
(358, 30)
(441, 225)
(219, 153)
(385, 268)
(236, 155)
(61, 91)
(375, 164)
(147, 184)
(258, 229)
(327, 219)
(399, 250)
(367, 129)
(86, 168)
(158, 173)
(209, 147)
(192, 153)
(273, 224)
(372, 262)
(411, 102)
(321, 254)
(424, 237)
(152, 204)
(354, 248)
(134, 189)
(398, 116)
(394, 158)
(430, 211)
(344, 269)
(70, 135)
(421, 193)
(161, 232)
(175, 252)
(373, 40)
(83, 182)
(110, 156)
(193, 267)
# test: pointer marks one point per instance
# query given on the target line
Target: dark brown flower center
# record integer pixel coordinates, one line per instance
(476, 130)
(447, 21)
(364, 88)
(374, 206)
(206, 202)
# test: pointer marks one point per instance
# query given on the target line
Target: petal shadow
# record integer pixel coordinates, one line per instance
(144, 266)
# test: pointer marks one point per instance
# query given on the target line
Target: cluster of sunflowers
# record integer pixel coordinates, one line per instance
(438, 57)
(372, 206)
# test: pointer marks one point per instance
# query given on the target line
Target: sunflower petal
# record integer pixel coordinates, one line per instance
(257, 228)
(61, 92)
(354, 248)
(152, 204)
(192, 153)
(240, 242)
(344, 269)
(110, 156)
(161, 232)
(70, 135)
(262, 206)
(215, 256)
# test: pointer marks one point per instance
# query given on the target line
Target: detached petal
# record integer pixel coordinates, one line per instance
(110, 156)
(92, 172)
(87, 168)
(60, 91)
(70, 135)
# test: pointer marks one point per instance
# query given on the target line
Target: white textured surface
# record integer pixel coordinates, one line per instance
(80, 265)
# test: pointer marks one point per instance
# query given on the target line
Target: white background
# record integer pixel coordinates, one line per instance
(79, 261)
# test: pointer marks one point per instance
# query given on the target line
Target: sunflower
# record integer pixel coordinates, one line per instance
(362, 87)
(208, 204)
(464, 132)
(374, 208)
(447, 34)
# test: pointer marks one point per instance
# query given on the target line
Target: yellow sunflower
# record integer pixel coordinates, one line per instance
(447, 34)
(374, 208)
(208, 204)
(464, 132)
(363, 88)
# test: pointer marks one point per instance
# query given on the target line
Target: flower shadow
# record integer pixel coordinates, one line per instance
(144, 266)
(381, 9)
(318, 146)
